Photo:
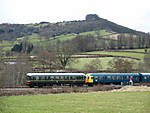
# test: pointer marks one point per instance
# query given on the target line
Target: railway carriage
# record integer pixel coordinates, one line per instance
(114, 78)
(145, 77)
(50, 79)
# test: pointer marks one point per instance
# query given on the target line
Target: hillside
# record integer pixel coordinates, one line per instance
(91, 23)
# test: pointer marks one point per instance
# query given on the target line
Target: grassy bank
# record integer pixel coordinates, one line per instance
(99, 102)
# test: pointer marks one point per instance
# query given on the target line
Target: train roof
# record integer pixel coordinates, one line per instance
(114, 74)
(55, 74)
(148, 74)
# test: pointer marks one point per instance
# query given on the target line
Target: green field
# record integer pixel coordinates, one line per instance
(137, 50)
(98, 102)
(36, 39)
(134, 55)
(80, 63)
(96, 33)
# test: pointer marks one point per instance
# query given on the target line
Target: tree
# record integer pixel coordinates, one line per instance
(17, 48)
(48, 59)
(121, 65)
(119, 42)
(145, 66)
(64, 54)
(14, 74)
(24, 47)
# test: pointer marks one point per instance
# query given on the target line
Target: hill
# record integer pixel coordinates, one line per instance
(92, 23)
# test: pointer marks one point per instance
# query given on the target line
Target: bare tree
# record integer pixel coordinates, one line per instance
(64, 54)
(48, 59)
(145, 66)
(14, 74)
(121, 65)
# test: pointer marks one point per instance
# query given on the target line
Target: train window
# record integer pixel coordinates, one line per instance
(49, 78)
(145, 77)
(101, 78)
(62, 78)
(52, 77)
(81, 78)
(95, 77)
(125, 77)
(136, 77)
(118, 78)
(109, 77)
(91, 77)
(121, 78)
(39, 78)
(30, 78)
(67, 78)
(113, 78)
(71, 78)
(77, 78)
(57, 78)
(45, 77)
(34, 78)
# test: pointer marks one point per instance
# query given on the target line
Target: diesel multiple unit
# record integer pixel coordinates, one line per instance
(50, 79)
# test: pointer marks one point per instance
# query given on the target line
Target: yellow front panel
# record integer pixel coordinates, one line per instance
(89, 78)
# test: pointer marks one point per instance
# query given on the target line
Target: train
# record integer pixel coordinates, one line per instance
(80, 79)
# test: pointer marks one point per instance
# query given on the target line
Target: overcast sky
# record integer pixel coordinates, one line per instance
(134, 14)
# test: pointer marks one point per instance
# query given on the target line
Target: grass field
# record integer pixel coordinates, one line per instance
(95, 33)
(134, 55)
(137, 50)
(36, 39)
(98, 102)
(80, 63)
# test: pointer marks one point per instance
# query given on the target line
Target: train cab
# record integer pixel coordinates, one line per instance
(89, 79)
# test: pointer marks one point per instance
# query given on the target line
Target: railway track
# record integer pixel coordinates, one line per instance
(28, 88)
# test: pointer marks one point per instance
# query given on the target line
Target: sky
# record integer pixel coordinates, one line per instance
(134, 14)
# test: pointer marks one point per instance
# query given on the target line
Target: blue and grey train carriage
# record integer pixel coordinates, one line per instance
(50, 79)
(145, 77)
(114, 78)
